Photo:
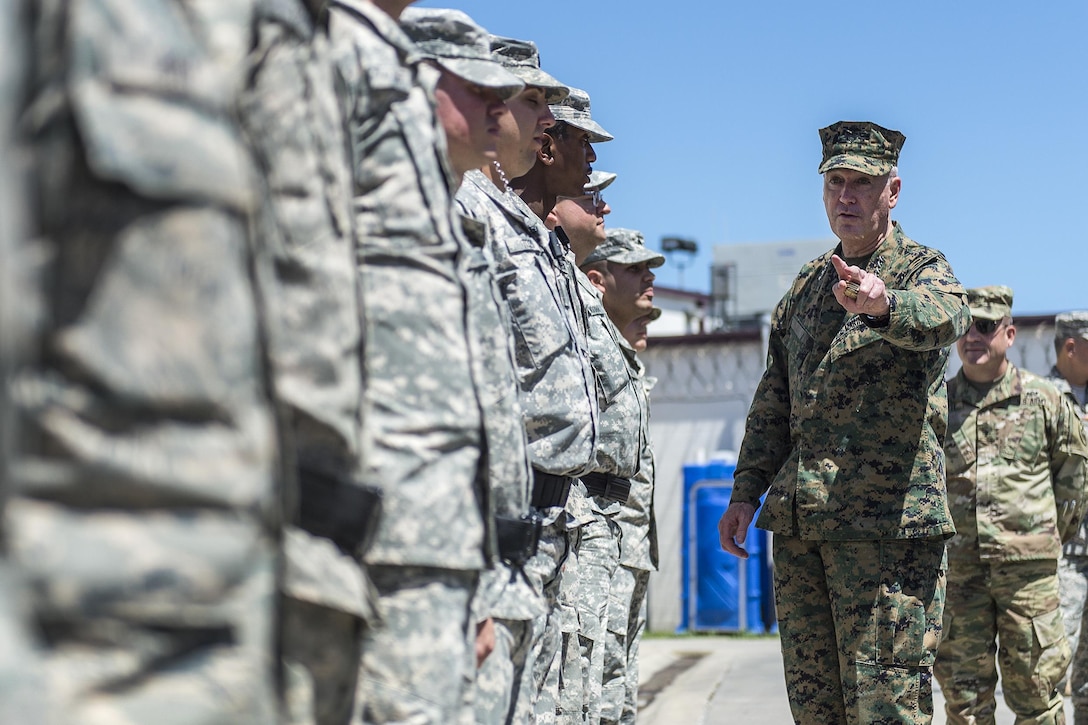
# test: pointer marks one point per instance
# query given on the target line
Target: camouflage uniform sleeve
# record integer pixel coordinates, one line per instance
(766, 441)
(1069, 467)
(929, 314)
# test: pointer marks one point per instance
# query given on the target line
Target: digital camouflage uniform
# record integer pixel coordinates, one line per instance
(22, 698)
(1015, 454)
(556, 391)
(422, 439)
(292, 116)
(844, 438)
(638, 540)
(147, 508)
(588, 571)
(1073, 565)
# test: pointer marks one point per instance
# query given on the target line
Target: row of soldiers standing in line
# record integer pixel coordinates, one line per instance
(314, 412)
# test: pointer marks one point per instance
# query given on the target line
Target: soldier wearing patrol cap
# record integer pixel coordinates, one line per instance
(555, 391)
(423, 442)
(843, 440)
(622, 271)
(565, 159)
(1070, 375)
(1016, 459)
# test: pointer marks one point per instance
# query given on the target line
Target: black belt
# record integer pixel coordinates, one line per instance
(607, 486)
(339, 509)
(550, 490)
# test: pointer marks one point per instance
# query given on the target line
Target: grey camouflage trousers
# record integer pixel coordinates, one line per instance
(1073, 589)
(626, 623)
(413, 664)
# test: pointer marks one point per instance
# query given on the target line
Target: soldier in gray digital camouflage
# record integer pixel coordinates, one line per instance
(422, 438)
(556, 386)
(470, 102)
(1070, 375)
(23, 698)
(1017, 463)
(842, 451)
(581, 219)
(622, 270)
(147, 504)
(292, 117)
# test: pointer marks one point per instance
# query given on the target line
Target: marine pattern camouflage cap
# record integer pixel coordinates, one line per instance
(574, 109)
(1071, 324)
(860, 145)
(599, 180)
(522, 58)
(459, 45)
(990, 303)
(624, 246)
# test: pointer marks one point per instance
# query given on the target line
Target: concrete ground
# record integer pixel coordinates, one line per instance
(724, 680)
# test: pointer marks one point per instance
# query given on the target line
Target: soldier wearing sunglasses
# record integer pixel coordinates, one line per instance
(1016, 460)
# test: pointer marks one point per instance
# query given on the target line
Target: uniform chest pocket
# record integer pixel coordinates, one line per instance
(1023, 435)
(608, 363)
(959, 453)
(538, 315)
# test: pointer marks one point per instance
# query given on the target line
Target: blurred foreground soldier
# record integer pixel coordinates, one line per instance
(844, 440)
(1015, 454)
(470, 99)
(147, 509)
(1070, 375)
(556, 387)
(621, 269)
(23, 698)
(422, 436)
(293, 118)
(619, 443)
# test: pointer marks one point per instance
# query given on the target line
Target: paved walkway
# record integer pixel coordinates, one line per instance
(723, 680)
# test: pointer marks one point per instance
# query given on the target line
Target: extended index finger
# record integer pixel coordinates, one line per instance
(841, 267)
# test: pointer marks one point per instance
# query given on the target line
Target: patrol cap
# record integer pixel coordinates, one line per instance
(624, 246)
(574, 109)
(1071, 324)
(459, 45)
(990, 303)
(522, 58)
(860, 145)
(599, 180)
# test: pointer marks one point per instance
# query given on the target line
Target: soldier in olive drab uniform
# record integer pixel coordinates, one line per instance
(844, 438)
(294, 123)
(422, 441)
(1070, 375)
(622, 269)
(146, 512)
(623, 421)
(1016, 459)
(556, 386)
(470, 99)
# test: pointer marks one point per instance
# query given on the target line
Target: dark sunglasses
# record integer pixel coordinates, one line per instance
(987, 327)
(592, 196)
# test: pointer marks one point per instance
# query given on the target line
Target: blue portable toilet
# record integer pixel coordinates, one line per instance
(719, 591)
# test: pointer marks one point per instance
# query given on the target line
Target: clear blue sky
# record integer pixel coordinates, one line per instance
(715, 106)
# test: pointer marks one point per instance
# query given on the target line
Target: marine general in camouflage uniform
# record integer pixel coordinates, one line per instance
(556, 386)
(1016, 458)
(293, 118)
(147, 506)
(844, 441)
(422, 441)
(622, 269)
(1070, 375)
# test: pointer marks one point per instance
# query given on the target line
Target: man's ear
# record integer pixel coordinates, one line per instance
(596, 278)
(546, 153)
